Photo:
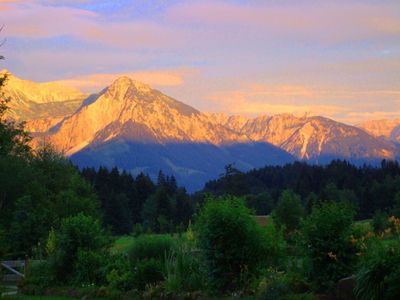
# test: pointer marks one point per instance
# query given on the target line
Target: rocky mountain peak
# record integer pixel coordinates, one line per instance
(125, 86)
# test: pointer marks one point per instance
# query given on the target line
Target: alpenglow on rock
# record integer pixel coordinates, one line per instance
(135, 127)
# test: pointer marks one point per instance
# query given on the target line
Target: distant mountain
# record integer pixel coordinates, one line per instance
(313, 138)
(385, 129)
(41, 104)
(135, 127)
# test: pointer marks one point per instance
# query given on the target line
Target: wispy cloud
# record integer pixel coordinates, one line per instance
(96, 82)
(334, 102)
(335, 58)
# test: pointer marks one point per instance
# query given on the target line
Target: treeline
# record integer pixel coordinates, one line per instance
(129, 202)
(370, 188)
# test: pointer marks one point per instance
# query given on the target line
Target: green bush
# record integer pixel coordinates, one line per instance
(78, 235)
(147, 272)
(151, 246)
(327, 236)
(274, 245)
(273, 286)
(232, 241)
(380, 221)
(184, 270)
(119, 275)
(90, 268)
(289, 211)
(39, 276)
(280, 285)
(147, 258)
(378, 275)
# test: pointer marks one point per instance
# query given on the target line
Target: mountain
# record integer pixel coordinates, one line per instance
(314, 138)
(42, 105)
(384, 129)
(135, 127)
(140, 129)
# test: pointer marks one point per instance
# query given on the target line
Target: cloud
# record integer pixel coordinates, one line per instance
(197, 22)
(96, 82)
(37, 21)
(327, 22)
(338, 103)
(335, 58)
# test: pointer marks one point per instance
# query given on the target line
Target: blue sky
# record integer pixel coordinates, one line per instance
(339, 58)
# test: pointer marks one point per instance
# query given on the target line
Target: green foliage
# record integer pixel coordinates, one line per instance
(368, 188)
(184, 270)
(147, 272)
(274, 245)
(232, 241)
(89, 268)
(157, 212)
(378, 274)
(278, 285)
(118, 273)
(13, 139)
(261, 203)
(149, 246)
(147, 259)
(380, 221)
(396, 207)
(289, 211)
(51, 242)
(77, 237)
(327, 234)
(52, 190)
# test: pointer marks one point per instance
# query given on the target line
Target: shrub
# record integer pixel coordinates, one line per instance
(232, 241)
(273, 286)
(289, 211)
(378, 274)
(89, 268)
(147, 259)
(327, 233)
(77, 234)
(39, 276)
(147, 272)
(184, 271)
(151, 246)
(280, 285)
(380, 221)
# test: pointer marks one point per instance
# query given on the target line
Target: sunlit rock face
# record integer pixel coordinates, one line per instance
(384, 129)
(130, 102)
(314, 137)
(42, 105)
(135, 127)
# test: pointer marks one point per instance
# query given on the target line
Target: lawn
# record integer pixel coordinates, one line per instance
(122, 244)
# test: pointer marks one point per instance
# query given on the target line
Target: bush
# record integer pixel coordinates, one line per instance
(280, 285)
(39, 276)
(184, 271)
(151, 246)
(147, 259)
(90, 268)
(378, 275)
(327, 234)
(289, 211)
(232, 241)
(77, 236)
(380, 221)
(148, 272)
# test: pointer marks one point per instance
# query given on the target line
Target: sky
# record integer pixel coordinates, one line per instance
(339, 59)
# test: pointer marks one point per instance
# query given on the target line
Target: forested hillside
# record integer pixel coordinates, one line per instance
(368, 188)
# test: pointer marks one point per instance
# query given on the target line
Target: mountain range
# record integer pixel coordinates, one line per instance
(132, 126)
